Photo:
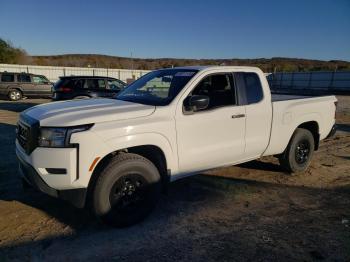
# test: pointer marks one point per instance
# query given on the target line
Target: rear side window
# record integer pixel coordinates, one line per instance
(95, 84)
(91, 84)
(253, 88)
(101, 83)
(68, 83)
(79, 84)
(7, 78)
(249, 88)
(23, 78)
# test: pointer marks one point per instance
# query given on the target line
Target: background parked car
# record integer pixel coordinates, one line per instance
(76, 87)
(17, 85)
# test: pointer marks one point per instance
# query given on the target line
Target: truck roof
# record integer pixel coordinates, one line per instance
(210, 67)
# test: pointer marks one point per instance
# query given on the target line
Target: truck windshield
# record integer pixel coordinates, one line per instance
(157, 88)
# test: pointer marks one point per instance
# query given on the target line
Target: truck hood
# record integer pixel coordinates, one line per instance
(85, 111)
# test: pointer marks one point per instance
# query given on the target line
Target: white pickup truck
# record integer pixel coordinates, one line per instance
(116, 155)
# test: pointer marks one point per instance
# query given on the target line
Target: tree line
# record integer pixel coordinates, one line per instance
(13, 55)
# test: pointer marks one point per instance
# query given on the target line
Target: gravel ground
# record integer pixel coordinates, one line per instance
(253, 211)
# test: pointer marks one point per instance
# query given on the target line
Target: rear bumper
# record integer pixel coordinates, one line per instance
(56, 96)
(332, 132)
(76, 197)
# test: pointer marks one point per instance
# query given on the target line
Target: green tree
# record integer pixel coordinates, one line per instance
(10, 54)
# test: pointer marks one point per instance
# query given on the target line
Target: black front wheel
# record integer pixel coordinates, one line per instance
(126, 190)
(297, 156)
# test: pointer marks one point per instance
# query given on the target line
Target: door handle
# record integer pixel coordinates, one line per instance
(238, 116)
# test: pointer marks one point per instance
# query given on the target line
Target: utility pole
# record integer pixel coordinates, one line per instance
(132, 62)
(132, 65)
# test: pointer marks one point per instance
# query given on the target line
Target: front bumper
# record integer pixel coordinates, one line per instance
(76, 196)
(332, 132)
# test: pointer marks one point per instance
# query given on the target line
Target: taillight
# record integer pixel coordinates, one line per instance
(65, 89)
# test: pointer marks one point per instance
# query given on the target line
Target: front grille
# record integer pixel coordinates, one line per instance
(27, 133)
(23, 135)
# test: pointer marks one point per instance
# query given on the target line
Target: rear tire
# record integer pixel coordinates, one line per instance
(126, 190)
(15, 95)
(297, 156)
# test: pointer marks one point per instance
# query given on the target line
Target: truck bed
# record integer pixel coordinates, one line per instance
(283, 97)
(290, 111)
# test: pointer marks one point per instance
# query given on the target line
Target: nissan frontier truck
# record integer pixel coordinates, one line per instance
(116, 155)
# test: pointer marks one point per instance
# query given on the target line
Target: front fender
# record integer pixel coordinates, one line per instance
(8, 88)
(142, 139)
(93, 148)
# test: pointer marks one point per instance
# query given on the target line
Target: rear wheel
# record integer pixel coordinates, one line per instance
(126, 190)
(15, 95)
(297, 156)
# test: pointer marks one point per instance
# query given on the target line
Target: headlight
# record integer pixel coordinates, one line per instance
(59, 136)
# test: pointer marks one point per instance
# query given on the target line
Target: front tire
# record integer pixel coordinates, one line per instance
(297, 156)
(126, 190)
(15, 95)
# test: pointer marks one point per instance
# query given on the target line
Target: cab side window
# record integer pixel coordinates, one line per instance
(219, 88)
(249, 88)
(253, 88)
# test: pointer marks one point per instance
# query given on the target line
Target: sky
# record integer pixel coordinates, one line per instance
(313, 29)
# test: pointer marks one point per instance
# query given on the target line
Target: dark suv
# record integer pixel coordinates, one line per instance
(17, 85)
(77, 87)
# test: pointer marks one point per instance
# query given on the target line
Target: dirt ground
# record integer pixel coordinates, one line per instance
(253, 211)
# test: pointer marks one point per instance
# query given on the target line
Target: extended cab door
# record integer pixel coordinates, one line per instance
(214, 136)
(254, 92)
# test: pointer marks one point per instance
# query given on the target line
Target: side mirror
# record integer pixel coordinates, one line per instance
(198, 102)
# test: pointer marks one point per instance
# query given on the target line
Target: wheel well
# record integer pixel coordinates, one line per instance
(312, 126)
(14, 88)
(151, 152)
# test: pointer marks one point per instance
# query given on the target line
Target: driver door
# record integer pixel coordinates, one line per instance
(214, 136)
(42, 86)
